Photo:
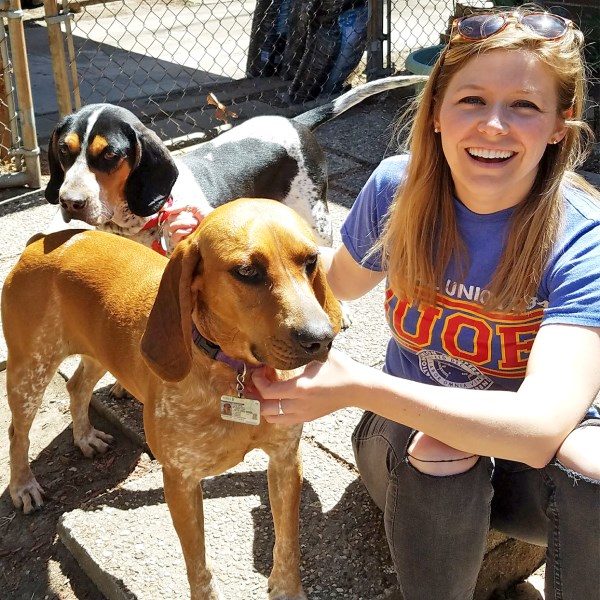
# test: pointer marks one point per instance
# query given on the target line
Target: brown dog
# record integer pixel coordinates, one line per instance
(247, 288)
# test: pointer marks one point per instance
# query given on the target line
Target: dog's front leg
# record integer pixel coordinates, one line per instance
(184, 498)
(285, 484)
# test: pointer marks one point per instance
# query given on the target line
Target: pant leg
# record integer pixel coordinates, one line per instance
(558, 508)
(436, 527)
(573, 557)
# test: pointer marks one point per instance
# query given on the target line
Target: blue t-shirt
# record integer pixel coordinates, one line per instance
(457, 342)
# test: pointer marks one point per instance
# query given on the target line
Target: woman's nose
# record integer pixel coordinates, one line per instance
(494, 121)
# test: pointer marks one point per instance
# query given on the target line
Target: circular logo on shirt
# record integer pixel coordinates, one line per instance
(452, 372)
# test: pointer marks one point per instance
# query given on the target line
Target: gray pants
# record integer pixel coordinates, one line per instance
(437, 527)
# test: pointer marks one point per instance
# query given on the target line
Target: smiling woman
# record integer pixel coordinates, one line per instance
(491, 248)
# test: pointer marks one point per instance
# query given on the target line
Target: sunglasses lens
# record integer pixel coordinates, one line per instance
(477, 27)
(546, 26)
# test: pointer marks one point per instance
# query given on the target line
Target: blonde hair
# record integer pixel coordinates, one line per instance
(421, 236)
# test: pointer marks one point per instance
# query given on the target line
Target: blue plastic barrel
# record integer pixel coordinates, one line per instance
(421, 61)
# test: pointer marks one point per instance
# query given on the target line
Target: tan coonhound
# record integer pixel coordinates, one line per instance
(247, 288)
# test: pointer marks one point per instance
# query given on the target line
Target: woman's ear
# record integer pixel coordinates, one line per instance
(561, 127)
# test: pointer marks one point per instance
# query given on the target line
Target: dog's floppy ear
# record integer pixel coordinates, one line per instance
(167, 340)
(327, 300)
(149, 185)
(57, 173)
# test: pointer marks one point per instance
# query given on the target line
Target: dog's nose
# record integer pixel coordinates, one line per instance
(315, 339)
(73, 202)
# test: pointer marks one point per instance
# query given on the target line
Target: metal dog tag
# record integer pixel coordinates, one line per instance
(240, 410)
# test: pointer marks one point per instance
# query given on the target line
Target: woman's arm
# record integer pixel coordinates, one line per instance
(563, 378)
(347, 279)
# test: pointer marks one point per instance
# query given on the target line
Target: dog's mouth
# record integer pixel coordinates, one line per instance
(287, 356)
(93, 219)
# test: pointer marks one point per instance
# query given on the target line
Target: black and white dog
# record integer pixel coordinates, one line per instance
(112, 172)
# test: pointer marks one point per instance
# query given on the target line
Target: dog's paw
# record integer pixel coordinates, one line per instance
(93, 442)
(285, 590)
(118, 391)
(28, 495)
(346, 315)
(210, 591)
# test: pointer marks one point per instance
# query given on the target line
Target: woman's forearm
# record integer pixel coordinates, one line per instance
(490, 423)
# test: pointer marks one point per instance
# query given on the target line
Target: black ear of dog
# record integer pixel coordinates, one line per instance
(149, 185)
(57, 173)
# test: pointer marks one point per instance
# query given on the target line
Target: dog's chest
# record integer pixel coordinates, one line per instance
(185, 430)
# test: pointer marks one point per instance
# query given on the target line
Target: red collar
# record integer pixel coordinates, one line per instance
(157, 221)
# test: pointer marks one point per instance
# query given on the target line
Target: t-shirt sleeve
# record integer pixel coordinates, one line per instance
(573, 277)
(366, 220)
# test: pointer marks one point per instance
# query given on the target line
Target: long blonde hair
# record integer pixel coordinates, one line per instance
(421, 236)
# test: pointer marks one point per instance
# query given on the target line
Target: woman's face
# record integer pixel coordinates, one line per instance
(496, 118)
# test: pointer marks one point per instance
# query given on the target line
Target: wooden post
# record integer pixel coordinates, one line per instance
(59, 59)
(72, 62)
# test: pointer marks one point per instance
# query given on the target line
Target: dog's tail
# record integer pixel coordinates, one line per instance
(321, 114)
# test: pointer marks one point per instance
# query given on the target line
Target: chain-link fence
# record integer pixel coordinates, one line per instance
(19, 152)
(185, 67)
(173, 61)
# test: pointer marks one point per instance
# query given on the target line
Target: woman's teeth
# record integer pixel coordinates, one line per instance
(490, 154)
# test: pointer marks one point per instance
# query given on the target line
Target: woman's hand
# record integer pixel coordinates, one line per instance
(319, 389)
(182, 220)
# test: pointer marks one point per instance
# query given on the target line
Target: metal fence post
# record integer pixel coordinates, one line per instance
(375, 38)
(29, 148)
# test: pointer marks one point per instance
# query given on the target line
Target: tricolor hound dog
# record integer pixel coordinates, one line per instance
(109, 170)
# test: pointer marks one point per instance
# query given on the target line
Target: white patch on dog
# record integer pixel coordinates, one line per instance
(280, 131)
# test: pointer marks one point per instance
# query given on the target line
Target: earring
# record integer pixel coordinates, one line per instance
(436, 129)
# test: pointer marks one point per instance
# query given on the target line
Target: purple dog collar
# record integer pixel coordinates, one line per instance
(215, 352)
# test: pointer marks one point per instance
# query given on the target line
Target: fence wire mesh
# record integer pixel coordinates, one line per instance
(164, 58)
(19, 151)
(186, 67)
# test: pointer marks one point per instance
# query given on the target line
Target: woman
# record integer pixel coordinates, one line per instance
(491, 249)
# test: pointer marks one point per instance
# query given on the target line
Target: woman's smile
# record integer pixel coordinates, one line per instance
(487, 156)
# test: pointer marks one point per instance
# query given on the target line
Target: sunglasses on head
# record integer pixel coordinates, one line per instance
(480, 26)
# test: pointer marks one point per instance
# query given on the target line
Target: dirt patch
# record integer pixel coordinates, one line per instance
(34, 565)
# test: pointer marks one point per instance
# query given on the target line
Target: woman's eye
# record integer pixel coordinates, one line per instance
(525, 104)
(471, 100)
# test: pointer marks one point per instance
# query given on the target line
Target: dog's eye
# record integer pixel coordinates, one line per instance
(247, 274)
(63, 148)
(311, 263)
(247, 271)
(108, 155)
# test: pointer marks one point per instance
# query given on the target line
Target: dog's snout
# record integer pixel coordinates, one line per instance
(73, 202)
(315, 339)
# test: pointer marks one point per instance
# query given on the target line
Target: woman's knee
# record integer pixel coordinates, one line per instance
(432, 457)
(580, 452)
